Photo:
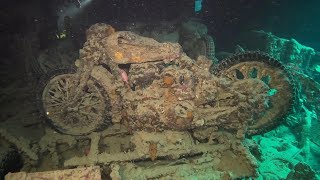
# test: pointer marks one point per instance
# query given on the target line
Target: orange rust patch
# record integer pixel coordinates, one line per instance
(153, 150)
(136, 59)
(118, 55)
(190, 115)
(168, 80)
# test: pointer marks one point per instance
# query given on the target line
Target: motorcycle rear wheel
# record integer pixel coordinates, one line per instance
(261, 66)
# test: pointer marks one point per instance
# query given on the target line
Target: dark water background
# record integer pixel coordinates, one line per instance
(224, 18)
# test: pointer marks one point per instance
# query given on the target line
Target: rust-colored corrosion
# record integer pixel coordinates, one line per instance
(160, 110)
(153, 150)
(125, 47)
(131, 73)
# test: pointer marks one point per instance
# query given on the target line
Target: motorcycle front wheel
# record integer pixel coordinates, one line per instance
(68, 113)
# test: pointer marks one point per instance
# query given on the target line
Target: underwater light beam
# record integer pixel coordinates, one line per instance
(85, 2)
(71, 10)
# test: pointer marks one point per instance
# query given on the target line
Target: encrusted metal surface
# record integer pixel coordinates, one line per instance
(92, 173)
(154, 94)
(166, 109)
(125, 47)
(261, 67)
(69, 116)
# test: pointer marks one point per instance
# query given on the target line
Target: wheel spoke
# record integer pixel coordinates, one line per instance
(54, 105)
(88, 105)
(75, 118)
(54, 99)
(265, 69)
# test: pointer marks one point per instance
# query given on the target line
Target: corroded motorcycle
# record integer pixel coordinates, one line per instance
(123, 78)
